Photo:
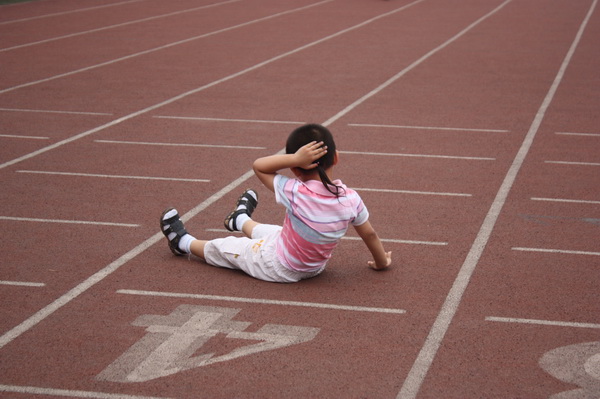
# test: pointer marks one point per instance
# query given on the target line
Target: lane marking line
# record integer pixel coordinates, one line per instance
(20, 219)
(574, 163)
(70, 393)
(48, 111)
(15, 136)
(181, 144)
(67, 12)
(263, 301)
(578, 134)
(22, 283)
(217, 82)
(422, 364)
(351, 238)
(542, 322)
(152, 50)
(386, 154)
(565, 200)
(460, 129)
(115, 26)
(198, 118)
(555, 251)
(392, 240)
(42, 172)
(551, 220)
(412, 192)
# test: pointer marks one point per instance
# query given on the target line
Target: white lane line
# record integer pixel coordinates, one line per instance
(115, 26)
(574, 163)
(542, 322)
(556, 251)
(181, 144)
(214, 83)
(386, 154)
(48, 111)
(70, 393)
(263, 301)
(152, 50)
(42, 172)
(67, 12)
(15, 136)
(412, 192)
(22, 283)
(198, 118)
(565, 200)
(97, 277)
(390, 240)
(578, 134)
(434, 339)
(459, 129)
(86, 222)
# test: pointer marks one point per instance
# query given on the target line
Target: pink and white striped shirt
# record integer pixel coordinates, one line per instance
(315, 221)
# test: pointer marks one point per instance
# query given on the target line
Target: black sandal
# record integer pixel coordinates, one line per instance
(245, 199)
(173, 225)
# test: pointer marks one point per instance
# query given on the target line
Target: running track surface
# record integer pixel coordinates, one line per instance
(470, 128)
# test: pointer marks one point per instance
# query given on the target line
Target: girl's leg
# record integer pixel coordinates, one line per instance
(248, 227)
(197, 248)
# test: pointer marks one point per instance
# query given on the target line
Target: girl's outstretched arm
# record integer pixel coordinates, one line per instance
(266, 168)
(381, 258)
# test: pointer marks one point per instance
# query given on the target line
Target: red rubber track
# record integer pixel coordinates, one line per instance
(470, 128)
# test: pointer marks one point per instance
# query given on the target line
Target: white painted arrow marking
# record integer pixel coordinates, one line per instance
(171, 342)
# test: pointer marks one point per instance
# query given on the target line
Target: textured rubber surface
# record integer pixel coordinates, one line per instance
(470, 129)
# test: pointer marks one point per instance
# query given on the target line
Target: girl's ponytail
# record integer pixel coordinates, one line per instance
(328, 183)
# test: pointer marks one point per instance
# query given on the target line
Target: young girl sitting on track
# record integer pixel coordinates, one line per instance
(318, 212)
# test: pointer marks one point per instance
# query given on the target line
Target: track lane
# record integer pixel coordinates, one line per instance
(526, 285)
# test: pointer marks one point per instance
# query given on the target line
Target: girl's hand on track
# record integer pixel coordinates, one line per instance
(374, 266)
(309, 153)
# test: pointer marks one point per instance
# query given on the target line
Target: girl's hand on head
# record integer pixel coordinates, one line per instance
(309, 153)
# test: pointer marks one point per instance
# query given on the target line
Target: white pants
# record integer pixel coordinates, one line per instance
(255, 256)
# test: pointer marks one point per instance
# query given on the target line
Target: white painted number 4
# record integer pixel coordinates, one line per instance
(171, 342)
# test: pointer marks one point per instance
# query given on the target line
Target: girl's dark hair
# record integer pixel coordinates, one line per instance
(314, 132)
